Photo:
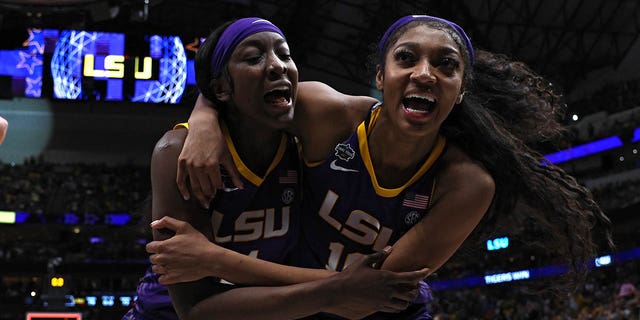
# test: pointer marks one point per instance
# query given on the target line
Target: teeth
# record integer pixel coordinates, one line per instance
(416, 110)
(427, 98)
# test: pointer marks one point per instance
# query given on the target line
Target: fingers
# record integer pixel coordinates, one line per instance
(181, 179)
(201, 186)
(394, 306)
(167, 222)
(412, 277)
(158, 269)
(153, 247)
(376, 259)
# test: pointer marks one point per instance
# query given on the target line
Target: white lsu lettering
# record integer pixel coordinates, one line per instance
(114, 67)
(360, 227)
(252, 225)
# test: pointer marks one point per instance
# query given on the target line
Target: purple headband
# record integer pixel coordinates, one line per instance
(406, 19)
(233, 35)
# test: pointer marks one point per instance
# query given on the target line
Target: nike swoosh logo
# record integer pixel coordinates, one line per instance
(336, 167)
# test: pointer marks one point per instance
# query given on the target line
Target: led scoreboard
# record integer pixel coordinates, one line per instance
(103, 66)
(97, 65)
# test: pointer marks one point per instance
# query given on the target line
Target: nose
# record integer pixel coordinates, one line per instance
(423, 73)
(277, 66)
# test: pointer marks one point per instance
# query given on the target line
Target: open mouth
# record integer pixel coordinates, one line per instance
(278, 96)
(419, 104)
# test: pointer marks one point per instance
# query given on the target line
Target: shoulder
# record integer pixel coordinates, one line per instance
(172, 140)
(167, 149)
(465, 176)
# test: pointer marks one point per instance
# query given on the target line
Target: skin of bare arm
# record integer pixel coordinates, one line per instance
(463, 195)
(362, 289)
(166, 201)
(205, 259)
(4, 125)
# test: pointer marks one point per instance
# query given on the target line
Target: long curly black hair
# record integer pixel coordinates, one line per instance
(508, 110)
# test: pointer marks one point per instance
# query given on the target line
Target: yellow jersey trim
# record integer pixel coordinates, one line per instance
(437, 150)
(242, 168)
(181, 125)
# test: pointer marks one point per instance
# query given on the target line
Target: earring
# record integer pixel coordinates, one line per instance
(460, 96)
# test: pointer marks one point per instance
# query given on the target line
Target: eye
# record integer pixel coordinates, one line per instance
(285, 56)
(254, 59)
(404, 56)
(450, 63)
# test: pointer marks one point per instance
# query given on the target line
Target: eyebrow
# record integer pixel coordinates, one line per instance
(441, 50)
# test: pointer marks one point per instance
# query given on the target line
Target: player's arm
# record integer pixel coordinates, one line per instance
(189, 256)
(166, 201)
(203, 153)
(322, 118)
(463, 194)
(355, 292)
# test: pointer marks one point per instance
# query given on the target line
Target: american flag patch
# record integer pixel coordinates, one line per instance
(417, 201)
(290, 176)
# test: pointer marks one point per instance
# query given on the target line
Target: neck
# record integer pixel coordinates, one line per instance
(255, 143)
(395, 156)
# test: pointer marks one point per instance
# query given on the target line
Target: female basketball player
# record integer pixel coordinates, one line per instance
(427, 165)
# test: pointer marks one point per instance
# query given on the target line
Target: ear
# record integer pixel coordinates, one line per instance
(379, 77)
(221, 90)
(460, 96)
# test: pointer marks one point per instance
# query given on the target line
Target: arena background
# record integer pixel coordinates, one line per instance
(74, 172)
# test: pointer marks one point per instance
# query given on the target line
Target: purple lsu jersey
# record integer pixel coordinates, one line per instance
(347, 213)
(261, 220)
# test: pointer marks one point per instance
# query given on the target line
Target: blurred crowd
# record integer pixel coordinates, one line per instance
(40, 187)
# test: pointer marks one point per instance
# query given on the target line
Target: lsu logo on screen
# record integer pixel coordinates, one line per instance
(114, 67)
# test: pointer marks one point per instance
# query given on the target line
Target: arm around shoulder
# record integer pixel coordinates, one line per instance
(325, 116)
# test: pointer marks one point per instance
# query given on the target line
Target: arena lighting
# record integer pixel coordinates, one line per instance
(585, 150)
(8, 217)
(117, 219)
(12, 217)
(497, 243)
(507, 277)
(535, 273)
(68, 218)
(53, 315)
(91, 300)
(636, 135)
(125, 301)
(602, 261)
(70, 301)
(108, 301)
